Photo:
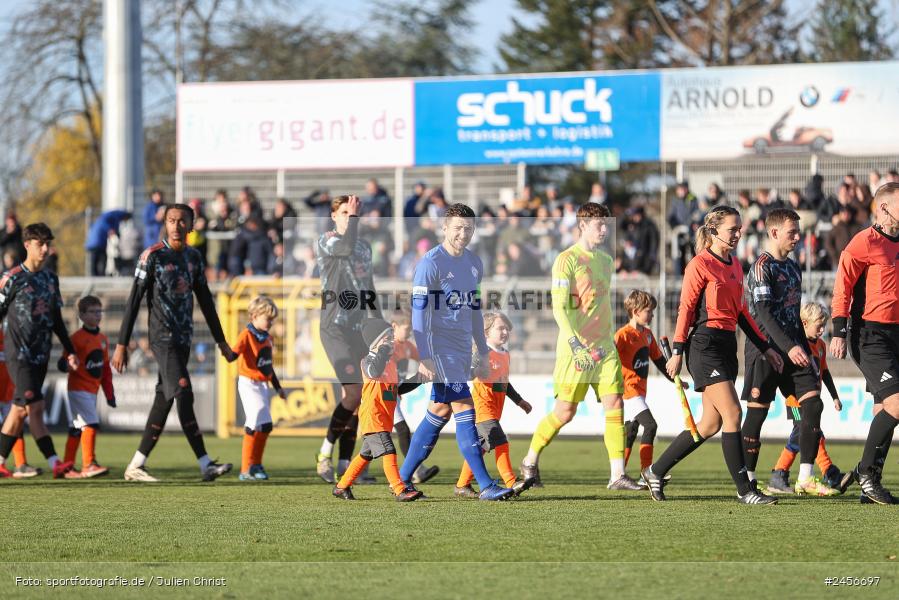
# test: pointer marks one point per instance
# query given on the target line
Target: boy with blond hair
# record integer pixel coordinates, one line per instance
(93, 372)
(255, 368)
(814, 317)
(637, 347)
(489, 396)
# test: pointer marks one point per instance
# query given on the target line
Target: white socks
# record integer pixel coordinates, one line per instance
(805, 471)
(751, 475)
(138, 461)
(204, 461)
(52, 460)
(327, 448)
(617, 465)
(531, 458)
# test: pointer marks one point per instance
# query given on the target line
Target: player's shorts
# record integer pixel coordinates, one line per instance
(712, 357)
(345, 349)
(445, 393)
(879, 358)
(28, 380)
(854, 344)
(571, 385)
(761, 381)
(793, 413)
(174, 377)
(491, 434)
(634, 406)
(255, 397)
(377, 444)
(451, 378)
(83, 409)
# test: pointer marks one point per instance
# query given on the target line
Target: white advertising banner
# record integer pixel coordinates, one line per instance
(295, 125)
(836, 108)
(852, 423)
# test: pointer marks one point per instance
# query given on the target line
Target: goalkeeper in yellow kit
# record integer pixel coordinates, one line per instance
(585, 352)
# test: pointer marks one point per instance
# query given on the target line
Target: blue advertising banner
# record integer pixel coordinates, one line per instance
(536, 119)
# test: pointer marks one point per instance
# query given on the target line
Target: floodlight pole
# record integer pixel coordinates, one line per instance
(123, 134)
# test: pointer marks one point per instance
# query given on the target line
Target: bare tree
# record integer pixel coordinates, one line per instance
(52, 58)
(727, 32)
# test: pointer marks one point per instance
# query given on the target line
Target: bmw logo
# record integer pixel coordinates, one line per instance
(809, 96)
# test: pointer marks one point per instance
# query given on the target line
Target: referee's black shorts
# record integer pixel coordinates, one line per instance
(345, 349)
(712, 357)
(878, 358)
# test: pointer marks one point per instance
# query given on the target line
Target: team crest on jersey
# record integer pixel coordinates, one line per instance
(474, 272)
(457, 387)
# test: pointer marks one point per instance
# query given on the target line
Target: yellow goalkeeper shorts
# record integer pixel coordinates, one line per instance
(571, 385)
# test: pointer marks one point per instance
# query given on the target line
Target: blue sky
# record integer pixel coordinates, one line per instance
(492, 17)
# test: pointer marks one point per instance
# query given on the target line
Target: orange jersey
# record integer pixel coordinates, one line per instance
(379, 400)
(254, 356)
(867, 282)
(712, 296)
(92, 350)
(404, 351)
(489, 396)
(819, 352)
(636, 349)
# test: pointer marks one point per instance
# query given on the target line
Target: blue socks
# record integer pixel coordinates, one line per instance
(793, 442)
(470, 447)
(422, 443)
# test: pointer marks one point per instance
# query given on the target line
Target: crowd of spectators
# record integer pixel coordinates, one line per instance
(829, 218)
(516, 238)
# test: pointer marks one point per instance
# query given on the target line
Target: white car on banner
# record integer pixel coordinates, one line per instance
(837, 108)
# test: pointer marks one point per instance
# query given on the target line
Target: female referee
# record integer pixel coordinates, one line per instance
(712, 305)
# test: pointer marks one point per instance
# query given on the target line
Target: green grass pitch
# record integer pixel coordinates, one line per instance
(289, 538)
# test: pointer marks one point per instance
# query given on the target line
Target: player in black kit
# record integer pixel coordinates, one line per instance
(170, 273)
(32, 306)
(348, 296)
(775, 290)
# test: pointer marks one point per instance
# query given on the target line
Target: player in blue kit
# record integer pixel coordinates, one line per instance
(446, 316)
